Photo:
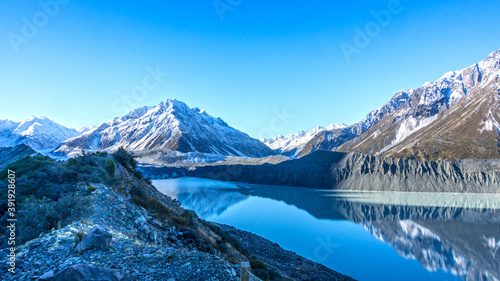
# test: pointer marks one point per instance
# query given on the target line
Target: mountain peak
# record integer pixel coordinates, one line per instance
(171, 125)
(85, 129)
(335, 126)
(34, 117)
(173, 103)
(494, 55)
(292, 145)
(39, 119)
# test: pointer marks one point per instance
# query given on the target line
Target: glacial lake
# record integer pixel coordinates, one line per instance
(366, 235)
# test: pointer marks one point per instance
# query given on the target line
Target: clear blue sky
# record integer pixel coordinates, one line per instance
(88, 61)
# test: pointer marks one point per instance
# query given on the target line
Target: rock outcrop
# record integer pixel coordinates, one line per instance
(98, 238)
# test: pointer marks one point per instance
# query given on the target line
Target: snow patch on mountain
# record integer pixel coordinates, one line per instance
(409, 126)
(489, 124)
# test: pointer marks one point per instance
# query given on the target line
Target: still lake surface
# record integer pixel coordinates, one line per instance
(366, 235)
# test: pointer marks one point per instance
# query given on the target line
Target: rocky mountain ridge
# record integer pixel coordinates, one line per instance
(355, 171)
(458, 110)
(456, 117)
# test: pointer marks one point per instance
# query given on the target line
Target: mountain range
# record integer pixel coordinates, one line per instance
(455, 117)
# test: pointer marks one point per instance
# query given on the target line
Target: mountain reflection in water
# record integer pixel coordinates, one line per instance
(452, 236)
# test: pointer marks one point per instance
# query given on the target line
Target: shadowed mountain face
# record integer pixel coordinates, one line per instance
(455, 117)
(354, 171)
(447, 233)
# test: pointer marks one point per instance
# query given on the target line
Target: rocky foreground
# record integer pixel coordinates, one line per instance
(127, 230)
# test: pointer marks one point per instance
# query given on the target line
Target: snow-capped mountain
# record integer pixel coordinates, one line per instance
(333, 139)
(455, 117)
(85, 129)
(40, 133)
(292, 145)
(171, 125)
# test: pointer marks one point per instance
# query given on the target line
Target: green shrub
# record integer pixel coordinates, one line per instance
(125, 158)
(138, 174)
(112, 182)
(185, 219)
(42, 177)
(29, 164)
(79, 236)
(99, 154)
(257, 264)
(225, 238)
(141, 198)
(261, 273)
(91, 189)
(70, 162)
(260, 270)
(42, 215)
(110, 167)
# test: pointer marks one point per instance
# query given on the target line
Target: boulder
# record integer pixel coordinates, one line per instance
(98, 238)
(48, 276)
(84, 272)
(189, 234)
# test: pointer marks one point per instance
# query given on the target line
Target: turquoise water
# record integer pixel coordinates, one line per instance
(368, 236)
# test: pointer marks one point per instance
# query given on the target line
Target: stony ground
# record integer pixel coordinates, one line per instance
(140, 246)
(55, 251)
